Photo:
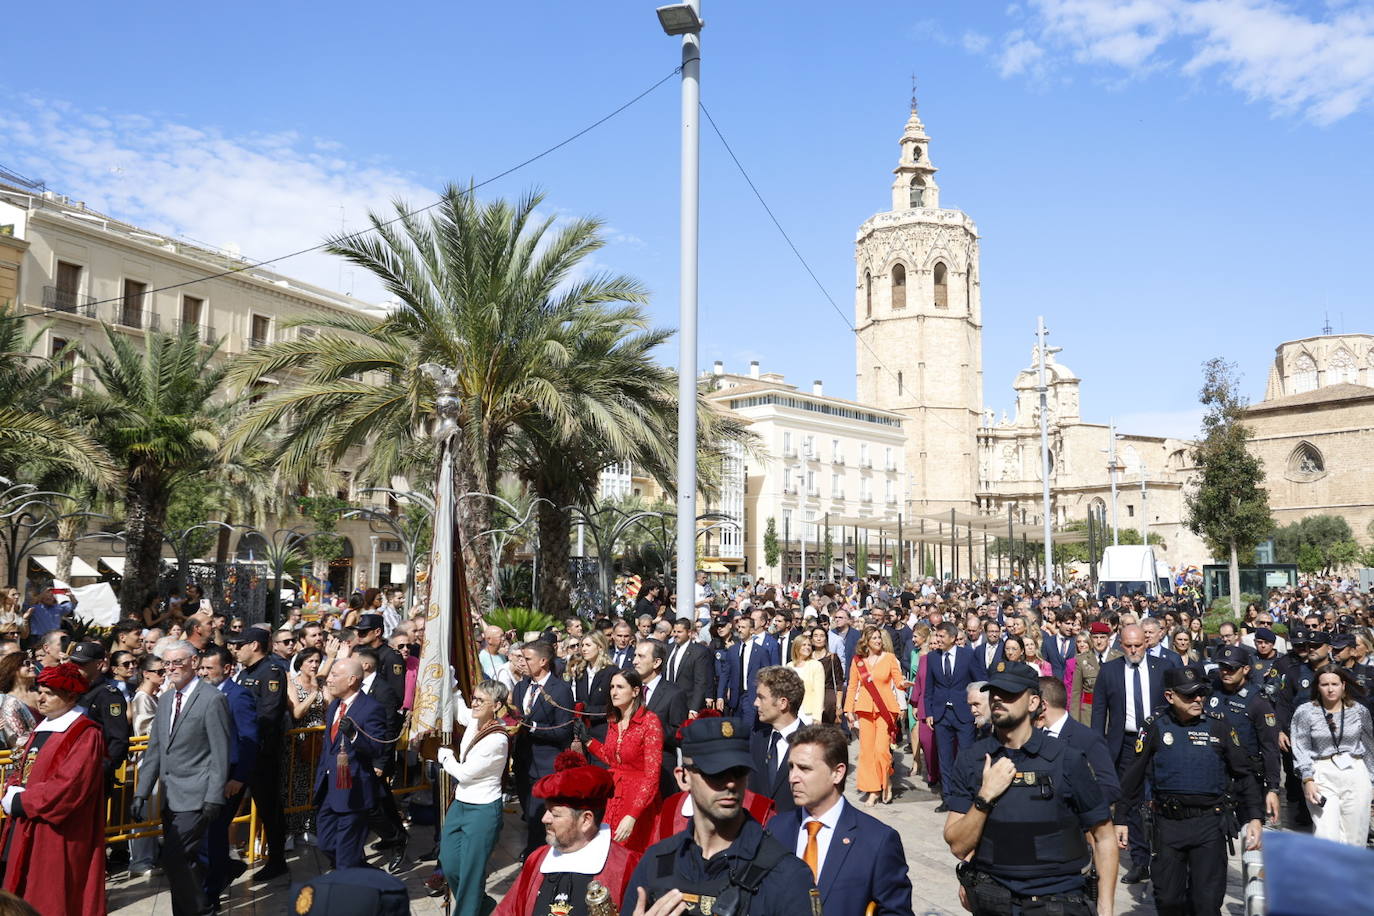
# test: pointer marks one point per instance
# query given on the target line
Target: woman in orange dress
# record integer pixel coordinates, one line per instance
(634, 750)
(871, 702)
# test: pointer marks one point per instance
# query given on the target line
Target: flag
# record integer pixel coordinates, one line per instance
(446, 650)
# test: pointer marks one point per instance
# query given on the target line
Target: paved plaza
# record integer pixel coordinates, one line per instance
(912, 813)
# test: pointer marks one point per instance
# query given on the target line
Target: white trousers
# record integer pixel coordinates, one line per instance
(1345, 816)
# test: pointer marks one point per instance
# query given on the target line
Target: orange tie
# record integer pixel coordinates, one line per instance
(812, 855)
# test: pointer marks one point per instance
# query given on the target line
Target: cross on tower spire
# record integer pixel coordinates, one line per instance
(913, 93)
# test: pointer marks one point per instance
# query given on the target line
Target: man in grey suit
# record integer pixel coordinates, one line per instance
(189, 747)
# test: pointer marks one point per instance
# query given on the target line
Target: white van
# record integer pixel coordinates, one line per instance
(1129, 569)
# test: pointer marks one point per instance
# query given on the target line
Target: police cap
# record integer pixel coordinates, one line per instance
(1185, 681)
(1343, 641)
(1265, 634)
(1300, 636)
(368, 622)
(1232, 657)
(350, 892)
(84, 652)
(1012, 677)
(250, 634)
(715, 745)
(1317, 638)
(1345, 621)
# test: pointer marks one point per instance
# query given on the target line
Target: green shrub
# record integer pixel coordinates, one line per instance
(520, 619)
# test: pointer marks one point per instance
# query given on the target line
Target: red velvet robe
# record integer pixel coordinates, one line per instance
(57, 849)
(615, 875)
(670, 821)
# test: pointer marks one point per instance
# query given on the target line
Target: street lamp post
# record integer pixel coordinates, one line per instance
(1040, 333)
(685, 19)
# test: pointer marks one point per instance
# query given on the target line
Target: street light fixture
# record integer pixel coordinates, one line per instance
(679, 19)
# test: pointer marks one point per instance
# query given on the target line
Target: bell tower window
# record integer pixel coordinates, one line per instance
(898, 286)
(899, 381)
(918, 191)
(868, 294)
(941, 285)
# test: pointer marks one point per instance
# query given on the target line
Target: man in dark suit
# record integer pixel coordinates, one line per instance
(1128, 690)
(856, 859)
(623, 645)
(990, 652)
(189, 748)
(767, 642)
(746, 659)
(345, 797)
(544, 702)
(665, 700)
(1154, 642)
(949, 671)
(786, 634)
(216, 668)
(839, 626)
(779, 696)
(1054, 718)
(691, 666)
(1056, 647)
(385, 819)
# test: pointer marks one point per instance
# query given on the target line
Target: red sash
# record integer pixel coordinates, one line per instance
(877, 695)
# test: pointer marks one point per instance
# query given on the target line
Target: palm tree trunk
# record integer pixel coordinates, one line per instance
(555, 580)
(68, 527)
(145, 512)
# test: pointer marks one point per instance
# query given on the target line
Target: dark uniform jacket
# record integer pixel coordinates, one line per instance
(105, 706)
(1251, 714)
(266, 681)
(392, 668)
(1167, 752)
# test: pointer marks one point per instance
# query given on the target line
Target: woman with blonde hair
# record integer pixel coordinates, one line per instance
(589, 674)
(871, 704)
(812, 674)
(1032, 650)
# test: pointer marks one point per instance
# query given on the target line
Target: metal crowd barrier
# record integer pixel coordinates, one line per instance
(302, 749)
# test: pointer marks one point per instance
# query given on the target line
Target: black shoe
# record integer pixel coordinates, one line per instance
(1137, 874)
(396, 862)
(236, 869)
(269, 871)
(941, 808)
(431, 854)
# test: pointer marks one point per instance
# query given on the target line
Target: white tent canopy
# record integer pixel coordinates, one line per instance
(80, 568)
(115, 563)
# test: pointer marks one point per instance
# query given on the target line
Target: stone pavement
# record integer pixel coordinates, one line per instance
(911, 813)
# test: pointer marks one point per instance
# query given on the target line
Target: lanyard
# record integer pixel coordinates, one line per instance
(1331, 728)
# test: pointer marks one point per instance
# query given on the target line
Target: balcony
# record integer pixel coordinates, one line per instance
(813, 492)
(789, 491)
(789, 452)
(129, 317)
(204, 332)
(66, 300)
(866, 464)
(837, 494)
(838, 459)
(866, 498)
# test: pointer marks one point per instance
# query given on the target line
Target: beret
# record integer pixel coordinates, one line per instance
(65, 677)
(575, 782)
(1099, 627)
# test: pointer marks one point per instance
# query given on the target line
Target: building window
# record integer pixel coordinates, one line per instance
(787, 442)
(809, 446)
(67, 294)
(259, 327)
(1130, 511)
(192, 310)
(941, 285)
(68, 362)
(863, 455)
(918, 192)
(898, 286)
(835, 491)
(1341, 368)
(899, 382)
(131, 308)
(835, 454)
(968, 291)
(868, 294)
(1304, 373)
(1306, 462)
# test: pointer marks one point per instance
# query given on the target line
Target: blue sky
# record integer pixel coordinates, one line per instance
(1165, 181)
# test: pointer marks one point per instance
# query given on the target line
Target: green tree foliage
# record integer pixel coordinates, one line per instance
(1228, 506)
(1332, 543)
(828, 555)
(771, 550)
(323, 513)
(1311, 560)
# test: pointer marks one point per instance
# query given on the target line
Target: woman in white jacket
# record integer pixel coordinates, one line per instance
(473, 823)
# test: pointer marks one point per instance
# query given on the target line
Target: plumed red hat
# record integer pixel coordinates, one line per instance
(65, 677)
(575, 783)
(704, 714)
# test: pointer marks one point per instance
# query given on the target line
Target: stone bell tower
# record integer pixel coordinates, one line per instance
(919, 320)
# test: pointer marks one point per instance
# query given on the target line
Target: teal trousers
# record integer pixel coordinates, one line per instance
(470, 834)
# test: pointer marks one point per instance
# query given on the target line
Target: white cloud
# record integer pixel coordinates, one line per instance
(1318, 64)
(265, 194)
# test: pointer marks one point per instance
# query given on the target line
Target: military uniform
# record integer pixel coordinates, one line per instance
(1191, 766)
(266, 680)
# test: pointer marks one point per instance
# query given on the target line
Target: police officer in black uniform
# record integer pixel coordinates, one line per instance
(1343, 653)
(266, 679)
(1021, 802)
(1297, 677)
(390, 666)
(1192, 759)
(1249, 712)
(723, 864)
(1265, 672)
(104, 705)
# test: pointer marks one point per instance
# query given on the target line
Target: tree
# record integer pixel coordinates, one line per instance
(1343, 554)
(1329, 535)
(487, 290)
(1310, 559)
(157, 410)
(1228, 505)
(828, 555)
(771, 551)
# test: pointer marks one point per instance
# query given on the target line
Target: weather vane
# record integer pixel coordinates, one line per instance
(913, 93)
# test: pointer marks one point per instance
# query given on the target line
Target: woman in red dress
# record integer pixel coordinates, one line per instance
(634, 750)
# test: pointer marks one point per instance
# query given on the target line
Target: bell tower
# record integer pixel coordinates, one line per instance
(918, 314)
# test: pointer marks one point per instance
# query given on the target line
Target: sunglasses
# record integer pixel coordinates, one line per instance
(157, 671)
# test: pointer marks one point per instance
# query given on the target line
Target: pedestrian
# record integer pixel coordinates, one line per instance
(579, 863)
(473, 823)
(634, 751)
(143, 851)
(665, 700)
(544, 703)
(307, 701)
(1022, 809)
(267, 682)
(1191, 760)
(16, 719)
(104, 703)
(590, 672)
(952, 668)
(780, 695)
(346, 782)
(54, 832)
(832, 668)
(1333, 753)
(216, 670)
(189, 749)
(723, 862)
(1249, 712)
(855, 859)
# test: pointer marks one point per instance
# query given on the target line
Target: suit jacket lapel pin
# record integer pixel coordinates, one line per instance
(845, 841)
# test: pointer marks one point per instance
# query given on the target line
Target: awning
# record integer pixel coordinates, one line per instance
(714, 568)
(116, 564)
(80, 568)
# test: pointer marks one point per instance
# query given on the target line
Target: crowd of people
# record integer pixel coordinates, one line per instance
(665, 765)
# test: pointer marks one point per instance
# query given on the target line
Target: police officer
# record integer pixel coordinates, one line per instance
(1249, 712)
(390, 666)
(266, 681)
(723, 863)
(1192, 758)
(1345, 653)
(1297, 677)
(105, 705)
(1020, 802)
(1264, 664)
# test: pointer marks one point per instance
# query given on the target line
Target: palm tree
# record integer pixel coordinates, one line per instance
(33, 441)
(487, 289)
(158, 410)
